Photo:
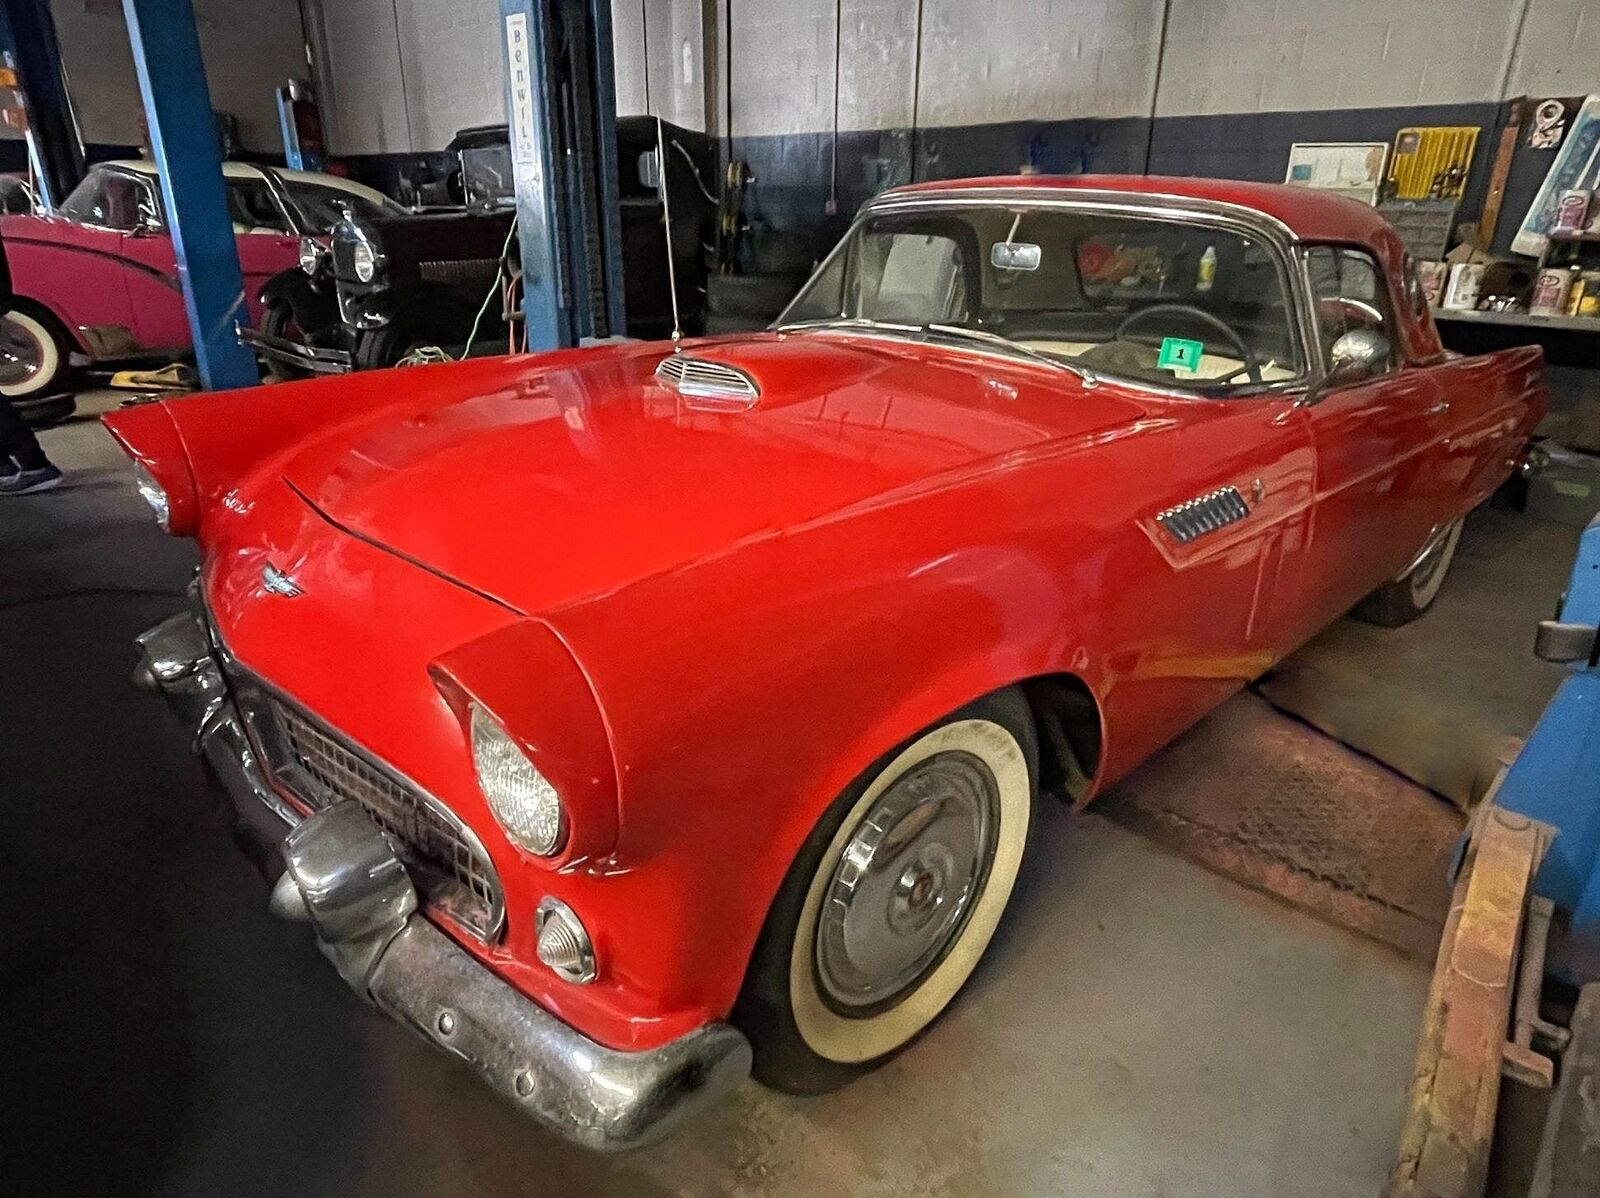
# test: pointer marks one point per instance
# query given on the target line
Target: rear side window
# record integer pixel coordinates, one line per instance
(1349, 293)
(109, 200)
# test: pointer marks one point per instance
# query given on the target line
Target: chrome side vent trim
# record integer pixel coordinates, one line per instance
(702, 378)
(1207, 513)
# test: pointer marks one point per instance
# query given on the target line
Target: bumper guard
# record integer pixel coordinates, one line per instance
(342, 877)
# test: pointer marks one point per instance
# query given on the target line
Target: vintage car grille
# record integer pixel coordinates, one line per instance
(469, 274)
(1205, 514)
(320, 768)
(705, 379)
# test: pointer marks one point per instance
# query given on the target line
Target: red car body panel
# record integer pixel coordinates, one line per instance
(88, 277)
(702, 624)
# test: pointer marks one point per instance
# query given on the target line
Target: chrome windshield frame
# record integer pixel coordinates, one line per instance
(1235, 218)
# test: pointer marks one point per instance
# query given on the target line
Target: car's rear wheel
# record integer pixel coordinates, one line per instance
(1403, 599)
(33, 356)
(892, 900)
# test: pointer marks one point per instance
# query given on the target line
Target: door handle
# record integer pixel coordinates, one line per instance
(1439, 409)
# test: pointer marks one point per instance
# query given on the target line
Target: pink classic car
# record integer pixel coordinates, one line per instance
(99, 278)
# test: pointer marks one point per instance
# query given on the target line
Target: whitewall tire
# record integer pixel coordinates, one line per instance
(32, 360)
(893, 900)
(1404, 599)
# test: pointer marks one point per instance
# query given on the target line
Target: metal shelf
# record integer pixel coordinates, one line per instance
(1582, 324)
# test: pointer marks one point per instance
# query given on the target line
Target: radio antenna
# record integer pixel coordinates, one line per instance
(666, 224)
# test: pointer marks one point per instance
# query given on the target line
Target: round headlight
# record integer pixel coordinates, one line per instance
(364, 261)
(310, 255)
(154, 494)
(521, 798)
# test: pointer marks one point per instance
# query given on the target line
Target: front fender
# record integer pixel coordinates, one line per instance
(314, 304)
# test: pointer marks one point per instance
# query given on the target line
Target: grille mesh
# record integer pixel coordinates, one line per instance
(466, 885)
(705, 379)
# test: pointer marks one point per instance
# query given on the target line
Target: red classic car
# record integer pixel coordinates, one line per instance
(630, 714)
(100, 279)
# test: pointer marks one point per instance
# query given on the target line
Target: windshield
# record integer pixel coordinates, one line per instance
(321, 207)
(1162, 301)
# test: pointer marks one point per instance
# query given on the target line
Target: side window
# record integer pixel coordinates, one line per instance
(1348, 292)
(107, 199)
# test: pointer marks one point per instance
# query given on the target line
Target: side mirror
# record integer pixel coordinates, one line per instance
(1359, 354)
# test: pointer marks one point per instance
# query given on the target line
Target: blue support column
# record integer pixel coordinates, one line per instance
(28, 34)
(561, 108)
(530, 113)
(183, 138)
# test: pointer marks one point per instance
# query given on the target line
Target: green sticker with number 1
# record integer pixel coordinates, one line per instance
(1180, 355)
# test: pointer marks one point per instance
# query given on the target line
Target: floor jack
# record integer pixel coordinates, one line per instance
(1526, 907)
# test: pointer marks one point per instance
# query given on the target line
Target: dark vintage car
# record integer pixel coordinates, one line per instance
(396, 287)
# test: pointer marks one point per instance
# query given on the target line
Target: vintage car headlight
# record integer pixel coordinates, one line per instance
(364, 261)
(310, 255)
(154, 494)
(521, 798)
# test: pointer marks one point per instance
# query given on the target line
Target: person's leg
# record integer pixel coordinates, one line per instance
(17, 442)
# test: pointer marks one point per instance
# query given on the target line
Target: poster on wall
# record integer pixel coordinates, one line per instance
(1576, 168)
(1351, 168)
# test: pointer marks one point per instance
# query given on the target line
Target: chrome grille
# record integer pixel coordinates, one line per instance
(1205, 514)
(705, 379)
(453, 870)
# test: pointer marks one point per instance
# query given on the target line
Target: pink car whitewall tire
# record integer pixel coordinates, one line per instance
(894, 899)
(34, 360)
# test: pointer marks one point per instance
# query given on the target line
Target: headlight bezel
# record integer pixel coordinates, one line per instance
(154, 494)
(311, 255)
(364, 261)
(540, 831)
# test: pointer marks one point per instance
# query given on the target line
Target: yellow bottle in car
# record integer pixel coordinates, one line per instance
(1207, 274)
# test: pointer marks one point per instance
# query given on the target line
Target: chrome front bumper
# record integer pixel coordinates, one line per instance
(342, 876)
(310, 358)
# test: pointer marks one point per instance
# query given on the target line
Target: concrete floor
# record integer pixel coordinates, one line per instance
(1142, 1027)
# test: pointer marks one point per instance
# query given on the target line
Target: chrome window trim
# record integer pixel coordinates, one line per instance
(1237, 218)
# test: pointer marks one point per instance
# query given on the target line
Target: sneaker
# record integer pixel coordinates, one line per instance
(26, 482)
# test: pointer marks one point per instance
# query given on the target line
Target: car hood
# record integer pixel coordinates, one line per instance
(575, 474)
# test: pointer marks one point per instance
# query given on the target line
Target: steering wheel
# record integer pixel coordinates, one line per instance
(1251, 367)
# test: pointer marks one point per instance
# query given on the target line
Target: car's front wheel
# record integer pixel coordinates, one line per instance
(892, 900)
(33, 357)
(1403, 599)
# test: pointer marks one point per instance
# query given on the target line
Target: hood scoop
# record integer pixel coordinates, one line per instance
(717, 383)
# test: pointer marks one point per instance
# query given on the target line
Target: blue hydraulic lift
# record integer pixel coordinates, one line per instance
(561, 109)
(28, 39)
(183, 138)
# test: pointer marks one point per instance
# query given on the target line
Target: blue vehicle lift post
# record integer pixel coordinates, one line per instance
(28, 35)
(561, 110)
(183, 138)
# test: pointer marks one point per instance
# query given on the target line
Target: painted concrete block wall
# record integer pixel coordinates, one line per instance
(1240, 56)
(1007, 60)
(1559, 51)
(402, 76)
(249, 48)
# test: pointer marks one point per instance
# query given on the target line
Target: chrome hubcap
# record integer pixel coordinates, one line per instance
(1433, 561)
(906, 883)
(20, 354)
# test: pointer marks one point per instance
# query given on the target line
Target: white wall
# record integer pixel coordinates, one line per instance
(401, 76)
(249, 48)
(1283, 55)
(1559, 52)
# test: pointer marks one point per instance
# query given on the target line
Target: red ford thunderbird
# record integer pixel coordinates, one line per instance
(627, 719)
(99, 279)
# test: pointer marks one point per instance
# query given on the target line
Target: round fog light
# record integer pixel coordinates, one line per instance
(563, 944)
